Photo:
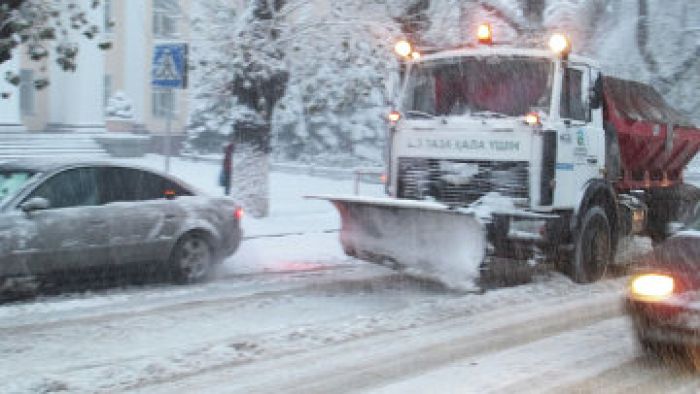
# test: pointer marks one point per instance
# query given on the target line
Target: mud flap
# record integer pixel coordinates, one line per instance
(423, 239)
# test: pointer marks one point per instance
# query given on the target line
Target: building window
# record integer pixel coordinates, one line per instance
(166, 16)
(27, 92)
(108, 23)
(107, 89)
(163, 102)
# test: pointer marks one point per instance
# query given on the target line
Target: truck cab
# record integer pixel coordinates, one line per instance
(521, 124)
(521, 132)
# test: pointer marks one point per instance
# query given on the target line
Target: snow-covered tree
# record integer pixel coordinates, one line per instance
(243, 76)
(338, 58)
(341, 67)
(119, 106)
(38, 24)
(214, 29)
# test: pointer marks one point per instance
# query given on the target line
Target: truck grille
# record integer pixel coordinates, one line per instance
(461, 182)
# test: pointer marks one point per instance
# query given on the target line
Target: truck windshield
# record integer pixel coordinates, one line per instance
(12, 181)
(498, 86)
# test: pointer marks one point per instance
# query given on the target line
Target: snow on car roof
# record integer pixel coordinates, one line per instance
(51, 165)
(46, 164)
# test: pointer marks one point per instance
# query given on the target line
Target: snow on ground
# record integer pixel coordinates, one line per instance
(141, 337)
(580, 360)
(290, 312)
(509, 340)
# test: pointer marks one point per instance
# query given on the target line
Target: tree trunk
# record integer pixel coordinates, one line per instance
(250, 183)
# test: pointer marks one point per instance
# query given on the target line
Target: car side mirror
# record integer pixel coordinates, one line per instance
(35, 204)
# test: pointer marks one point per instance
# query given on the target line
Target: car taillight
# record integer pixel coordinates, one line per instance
(238, 213)
(652, 287)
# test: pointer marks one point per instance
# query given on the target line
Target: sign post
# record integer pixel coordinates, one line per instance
(169, 72)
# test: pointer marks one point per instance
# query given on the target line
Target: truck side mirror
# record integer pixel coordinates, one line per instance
(35, 204)
(596, 94)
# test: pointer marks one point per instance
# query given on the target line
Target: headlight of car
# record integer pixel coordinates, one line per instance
(652, 287)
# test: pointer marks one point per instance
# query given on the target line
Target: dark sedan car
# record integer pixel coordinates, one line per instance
(663, 299)
(107, 218)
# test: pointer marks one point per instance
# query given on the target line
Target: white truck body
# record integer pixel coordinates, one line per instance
(521, 134)
(459, 143)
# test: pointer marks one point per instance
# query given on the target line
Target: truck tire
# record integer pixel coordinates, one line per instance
(593, 247)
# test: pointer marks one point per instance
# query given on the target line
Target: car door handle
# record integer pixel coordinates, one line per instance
(98, 222)
(170, 216)
(592, 161)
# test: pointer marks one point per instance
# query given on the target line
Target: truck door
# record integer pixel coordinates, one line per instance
(580, 155)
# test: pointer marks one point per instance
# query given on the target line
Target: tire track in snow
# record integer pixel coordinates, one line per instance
(639, 375)
(177, 304)
(372, 361)
(289, 234)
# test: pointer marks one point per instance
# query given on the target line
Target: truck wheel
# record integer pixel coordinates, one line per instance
(191, 259)
(593, 247)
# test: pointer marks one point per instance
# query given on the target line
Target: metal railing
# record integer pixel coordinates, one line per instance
(368, 174)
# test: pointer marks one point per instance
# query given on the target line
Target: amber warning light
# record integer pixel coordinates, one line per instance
(560, 45)
(394, 116)
(533, 119)
(403, 48)
(485, 34)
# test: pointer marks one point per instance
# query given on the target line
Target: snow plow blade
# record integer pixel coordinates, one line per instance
(423, 239)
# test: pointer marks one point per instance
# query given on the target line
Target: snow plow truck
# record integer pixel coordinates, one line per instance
(500, 158)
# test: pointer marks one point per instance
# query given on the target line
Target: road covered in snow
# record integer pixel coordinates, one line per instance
(290, 313)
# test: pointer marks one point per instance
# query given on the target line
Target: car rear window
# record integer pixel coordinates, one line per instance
(12, 181)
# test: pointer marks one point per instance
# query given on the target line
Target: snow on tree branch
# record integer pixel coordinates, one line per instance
(37, 25)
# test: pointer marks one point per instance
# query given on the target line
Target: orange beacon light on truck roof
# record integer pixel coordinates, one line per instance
(403, 48)
(560, 45)
(484, 33)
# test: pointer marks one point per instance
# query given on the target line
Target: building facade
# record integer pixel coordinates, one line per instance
(111, 89)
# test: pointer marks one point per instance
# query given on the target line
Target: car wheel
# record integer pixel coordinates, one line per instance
(672, 354)
(191, 258)
(593, 249)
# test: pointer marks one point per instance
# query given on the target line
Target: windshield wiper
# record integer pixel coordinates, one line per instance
(420, 113)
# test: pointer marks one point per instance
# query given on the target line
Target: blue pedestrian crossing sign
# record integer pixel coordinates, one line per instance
(169, 69)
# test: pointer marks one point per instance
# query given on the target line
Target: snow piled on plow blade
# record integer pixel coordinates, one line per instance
(423, 239)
